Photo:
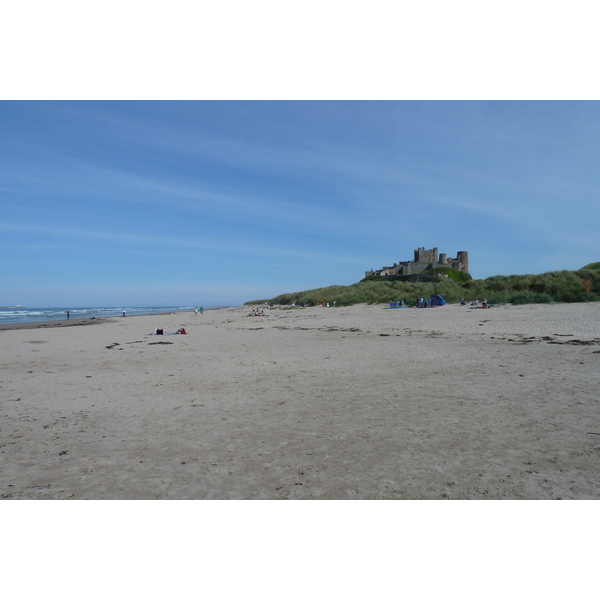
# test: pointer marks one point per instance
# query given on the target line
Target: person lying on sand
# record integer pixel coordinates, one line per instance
(159, 331)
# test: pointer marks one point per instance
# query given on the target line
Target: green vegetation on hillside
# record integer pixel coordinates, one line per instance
(556, 286)
(594, 266)
(428, 275)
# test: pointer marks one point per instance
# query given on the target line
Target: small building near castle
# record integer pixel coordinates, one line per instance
(425, 260)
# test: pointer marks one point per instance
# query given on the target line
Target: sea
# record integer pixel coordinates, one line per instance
(25, 315)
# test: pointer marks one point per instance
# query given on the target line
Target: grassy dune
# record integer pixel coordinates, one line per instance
(556, 286)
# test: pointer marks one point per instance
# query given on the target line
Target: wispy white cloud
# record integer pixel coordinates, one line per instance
(149, 243)
(76, 178)
(13, 279)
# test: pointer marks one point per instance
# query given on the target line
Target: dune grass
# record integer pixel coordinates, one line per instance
(555, 286)
(595, 266)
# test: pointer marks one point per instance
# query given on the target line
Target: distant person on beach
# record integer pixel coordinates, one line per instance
(123, 313)
(196, 311)
(68, 315)
(201, 311)
(159, 331)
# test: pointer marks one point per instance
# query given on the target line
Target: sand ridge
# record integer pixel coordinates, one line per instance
(315, 403)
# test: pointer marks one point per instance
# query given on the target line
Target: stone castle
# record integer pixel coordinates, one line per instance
(425, 260)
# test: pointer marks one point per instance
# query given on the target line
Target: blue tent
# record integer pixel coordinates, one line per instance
(437, 300)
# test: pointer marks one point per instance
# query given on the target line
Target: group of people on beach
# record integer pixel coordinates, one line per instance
(257, 313)
(196, 311)
(163, 331)
(474, 303)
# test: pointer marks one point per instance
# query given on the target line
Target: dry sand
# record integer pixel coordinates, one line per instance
(324, 403)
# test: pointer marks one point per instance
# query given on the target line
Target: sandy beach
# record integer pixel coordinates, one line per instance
(361, 402)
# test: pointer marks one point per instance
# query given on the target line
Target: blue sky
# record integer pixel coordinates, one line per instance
(210, 202)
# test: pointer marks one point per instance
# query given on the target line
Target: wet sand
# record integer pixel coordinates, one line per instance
(361, 402)
(67, 322)
(50, 324)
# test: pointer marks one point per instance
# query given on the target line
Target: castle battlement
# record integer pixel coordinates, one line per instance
(424, 260)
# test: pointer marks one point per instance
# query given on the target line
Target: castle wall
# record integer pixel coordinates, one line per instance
(411, 267)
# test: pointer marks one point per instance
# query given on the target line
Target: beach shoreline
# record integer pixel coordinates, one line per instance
(360, 402)
(76, 322)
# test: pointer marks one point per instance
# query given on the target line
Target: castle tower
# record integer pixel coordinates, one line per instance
(443, 258)
(422, 255)
(463, 259)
